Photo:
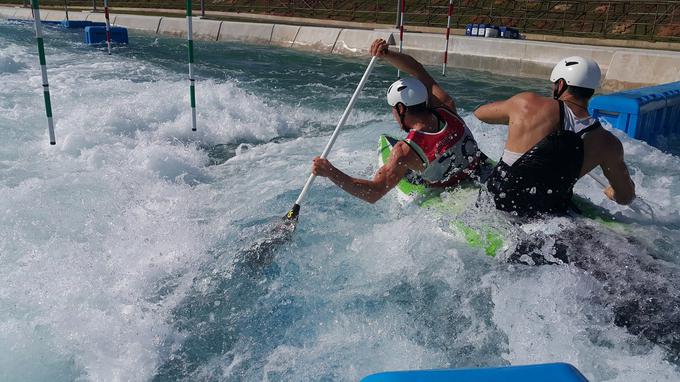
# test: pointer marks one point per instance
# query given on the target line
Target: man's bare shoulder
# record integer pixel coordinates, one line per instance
(530, 97)
(406, 156)
(529, 102)
(606, 142)
(402, 150)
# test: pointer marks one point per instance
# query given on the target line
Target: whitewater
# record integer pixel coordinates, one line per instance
(122, 247)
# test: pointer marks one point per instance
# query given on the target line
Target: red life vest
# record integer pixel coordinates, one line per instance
(450, 155)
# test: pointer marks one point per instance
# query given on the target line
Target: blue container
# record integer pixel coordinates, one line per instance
(481, 30)
(554, 372)
(468, 30)
(508, 32)
(79, 24)
(97, 34)
(651, 114)
(492, 31)
(474, 30)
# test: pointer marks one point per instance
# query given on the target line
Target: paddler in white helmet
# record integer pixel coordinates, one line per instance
(552, 143)
(439, 147)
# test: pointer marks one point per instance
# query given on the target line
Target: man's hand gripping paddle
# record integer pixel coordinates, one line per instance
(290, 219)
(638, 205)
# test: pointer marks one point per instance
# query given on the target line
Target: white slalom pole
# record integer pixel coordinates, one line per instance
(293, 213)
(401, 32)
(43, 67)
(108, 25)
(448, 33)
(192, 81)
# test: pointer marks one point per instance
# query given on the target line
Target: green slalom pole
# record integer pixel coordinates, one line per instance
(43, 67)
(192, 81)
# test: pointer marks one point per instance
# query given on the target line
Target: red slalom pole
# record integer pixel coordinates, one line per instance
(448, 33)
(108, 25)
(401, 32)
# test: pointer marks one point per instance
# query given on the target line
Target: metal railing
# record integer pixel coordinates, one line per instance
(643, 20)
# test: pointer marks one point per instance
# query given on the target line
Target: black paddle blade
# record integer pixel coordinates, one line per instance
(292, 215)
(262, 251)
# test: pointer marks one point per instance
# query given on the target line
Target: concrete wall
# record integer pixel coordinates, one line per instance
(246, 32)
(631, 69)
(52, 15)
(202, 29)
(284, 35)
(23, 13)
(100, 18)
(316, 39)
(622, 67)
(145, 23)
(7, 13)
(356, 42)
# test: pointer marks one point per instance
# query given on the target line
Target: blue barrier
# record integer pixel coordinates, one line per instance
(553, 372)
(97, 34)
(80, 24)
(480, 30)
(651, 114)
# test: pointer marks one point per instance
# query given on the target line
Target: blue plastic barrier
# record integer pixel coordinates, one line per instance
(508, 32)
(97, 34)
(80, 24)
(479, 30)
(651, 114)
(552, 372)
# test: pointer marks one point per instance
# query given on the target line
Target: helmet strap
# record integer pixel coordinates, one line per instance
(557, 93)
(401, 115)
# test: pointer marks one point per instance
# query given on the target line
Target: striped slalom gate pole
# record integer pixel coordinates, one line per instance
(108, 25)
(448, 33)
(192, 81)
(66, 8)
(35, 5)
(401, 32)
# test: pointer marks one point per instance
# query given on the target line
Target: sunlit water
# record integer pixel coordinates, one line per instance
(124, 248)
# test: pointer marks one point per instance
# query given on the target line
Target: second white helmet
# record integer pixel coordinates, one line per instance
(577, 71)
(408, 91)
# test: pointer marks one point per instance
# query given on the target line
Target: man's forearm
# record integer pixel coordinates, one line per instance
(361, 188)
(404, 62)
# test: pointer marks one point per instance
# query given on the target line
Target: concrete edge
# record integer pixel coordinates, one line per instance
(523, 58)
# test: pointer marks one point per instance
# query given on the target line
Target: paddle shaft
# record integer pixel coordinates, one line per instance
(296, 208)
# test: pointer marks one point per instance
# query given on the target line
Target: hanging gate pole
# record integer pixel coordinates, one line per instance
(35, 4)
(66, 8)
(192, 81)
(108, 25)
(448, 33)
(401, 32)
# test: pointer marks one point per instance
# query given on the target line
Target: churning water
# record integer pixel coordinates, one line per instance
(123, 249)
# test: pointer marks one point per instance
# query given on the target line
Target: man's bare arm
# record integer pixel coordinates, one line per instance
(622, 187)
(494, 113)
(387, 177)
(407, 64)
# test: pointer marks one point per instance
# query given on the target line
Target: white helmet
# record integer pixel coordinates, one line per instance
(408, 91)
(577, 71)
